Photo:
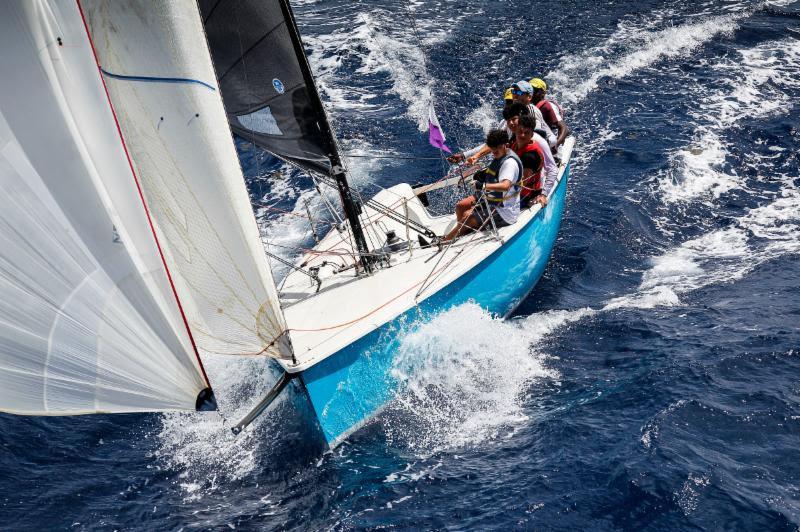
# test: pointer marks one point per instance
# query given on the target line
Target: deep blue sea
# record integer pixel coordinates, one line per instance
(650, 382)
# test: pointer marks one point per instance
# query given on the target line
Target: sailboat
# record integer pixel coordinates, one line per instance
(128, 245)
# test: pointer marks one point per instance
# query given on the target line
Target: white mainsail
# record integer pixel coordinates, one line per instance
(162, 84)
(90, 320)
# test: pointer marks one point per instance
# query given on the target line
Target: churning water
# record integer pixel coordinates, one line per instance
(649, 382)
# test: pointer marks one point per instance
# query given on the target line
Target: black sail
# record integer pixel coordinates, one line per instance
(266, 82)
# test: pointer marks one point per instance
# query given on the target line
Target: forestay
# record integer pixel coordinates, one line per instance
(266, 81)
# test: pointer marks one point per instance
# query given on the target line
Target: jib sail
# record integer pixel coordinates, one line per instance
(266, 82)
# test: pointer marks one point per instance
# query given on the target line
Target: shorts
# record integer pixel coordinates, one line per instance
(479, 215)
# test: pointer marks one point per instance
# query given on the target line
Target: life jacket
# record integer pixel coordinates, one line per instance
(534, 182)
(498, 197)
(543, 101)
(542, 128)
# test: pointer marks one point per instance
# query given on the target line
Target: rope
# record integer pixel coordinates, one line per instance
(404, 157)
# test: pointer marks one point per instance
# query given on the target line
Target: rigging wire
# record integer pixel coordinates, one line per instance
(408, 157)
(459, 141)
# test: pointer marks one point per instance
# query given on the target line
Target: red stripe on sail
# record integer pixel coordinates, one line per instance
(141, 196)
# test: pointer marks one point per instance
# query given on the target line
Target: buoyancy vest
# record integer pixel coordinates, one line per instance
(544, 101)
(534, 181)
(541, 126)
(498, 197)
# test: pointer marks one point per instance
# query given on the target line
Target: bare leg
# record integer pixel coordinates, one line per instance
(464, 223)
(463, 210)
(463, 206)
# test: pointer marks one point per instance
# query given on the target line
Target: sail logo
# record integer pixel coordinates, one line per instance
(278, 84)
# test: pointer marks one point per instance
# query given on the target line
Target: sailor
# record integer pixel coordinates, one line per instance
(523, 93)
(508, 97)
(511, 113)
(550, 170)
(551, 111)
(500, 183)
(532, 155)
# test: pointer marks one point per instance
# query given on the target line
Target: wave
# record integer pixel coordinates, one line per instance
(580, 74)
(465, 375)
(383, 57)
(757, 84)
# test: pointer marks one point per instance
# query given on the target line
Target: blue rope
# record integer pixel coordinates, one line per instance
(149, 79)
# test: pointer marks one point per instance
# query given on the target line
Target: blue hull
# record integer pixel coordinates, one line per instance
(350, 386)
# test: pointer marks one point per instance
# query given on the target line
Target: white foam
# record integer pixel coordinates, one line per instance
(379, 45)
(697, 171)
(465, 376)
(722, 256)
(689, 495)
(484, 116)
(201, 446)
(756, 85)
(777, 222)
(579, 75)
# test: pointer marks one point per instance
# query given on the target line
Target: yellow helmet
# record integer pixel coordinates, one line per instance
(508, 95)
(538, 83)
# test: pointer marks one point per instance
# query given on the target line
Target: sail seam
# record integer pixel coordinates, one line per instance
(154, 79)
(245, 52)
(141, 196)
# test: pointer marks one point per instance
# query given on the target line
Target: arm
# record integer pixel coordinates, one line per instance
(544, 129)
(553, 115)
(563, 132)
(475, 154)
(471, 156)
(507, 176)
(552, 140)
(503, 185)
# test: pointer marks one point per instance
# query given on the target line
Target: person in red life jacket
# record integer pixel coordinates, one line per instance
(499, 182)
(523, 93)
(551, 111)
(550, 170)
(532, 158)
(511, 114)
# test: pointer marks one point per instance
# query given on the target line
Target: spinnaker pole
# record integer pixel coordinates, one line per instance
(265, 402)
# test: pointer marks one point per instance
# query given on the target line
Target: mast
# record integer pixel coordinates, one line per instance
(351, 208)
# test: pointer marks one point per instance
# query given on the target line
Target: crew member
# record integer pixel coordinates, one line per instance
(551, 111)
(508, 97)
(523, 93)
(511, 114)
(532, 157)
(500, 184)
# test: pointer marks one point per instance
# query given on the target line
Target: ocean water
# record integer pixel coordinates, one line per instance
(650, 382)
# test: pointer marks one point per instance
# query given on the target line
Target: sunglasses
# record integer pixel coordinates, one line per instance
(517, 92)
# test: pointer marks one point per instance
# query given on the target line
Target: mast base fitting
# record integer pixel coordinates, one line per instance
(206, 402)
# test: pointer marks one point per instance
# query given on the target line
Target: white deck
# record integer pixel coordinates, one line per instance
(348, 307)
